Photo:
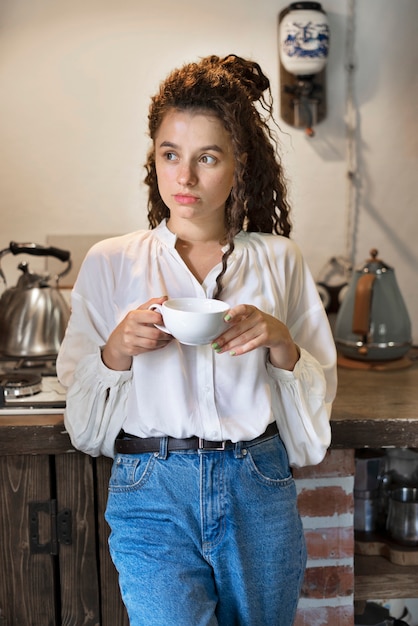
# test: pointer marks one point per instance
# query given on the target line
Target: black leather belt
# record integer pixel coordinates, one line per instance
(131, 444)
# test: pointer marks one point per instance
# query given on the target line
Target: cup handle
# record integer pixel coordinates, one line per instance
(158, 307)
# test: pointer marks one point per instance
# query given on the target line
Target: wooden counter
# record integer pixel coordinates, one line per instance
(376, 408)
(33, 434)
(373, 408)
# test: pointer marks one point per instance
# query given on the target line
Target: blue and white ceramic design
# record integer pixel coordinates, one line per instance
(304, 41)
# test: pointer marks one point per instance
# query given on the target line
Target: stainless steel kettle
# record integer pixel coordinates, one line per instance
(33, 314)
(373, 323)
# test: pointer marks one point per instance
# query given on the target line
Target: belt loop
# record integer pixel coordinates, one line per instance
(238, 450)
(163, 448)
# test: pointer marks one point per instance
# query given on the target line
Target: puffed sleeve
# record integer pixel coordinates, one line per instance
(96, 406)
(302, 399)
(96, 396)
(302, 410)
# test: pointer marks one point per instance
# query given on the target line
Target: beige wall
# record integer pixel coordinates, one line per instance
(75, 81)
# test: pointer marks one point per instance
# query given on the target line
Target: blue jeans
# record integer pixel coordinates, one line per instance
(207, 538)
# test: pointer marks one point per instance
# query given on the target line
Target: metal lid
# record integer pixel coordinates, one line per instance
(306, 6)
(374, 265)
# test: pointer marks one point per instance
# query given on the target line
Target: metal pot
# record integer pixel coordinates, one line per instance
(402, 522)
(33, 314)
(402, 467)
(368, 490)
(373, 323)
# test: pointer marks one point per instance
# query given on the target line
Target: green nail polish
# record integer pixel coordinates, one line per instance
(232, 353)
(215, 346)
(227, 317)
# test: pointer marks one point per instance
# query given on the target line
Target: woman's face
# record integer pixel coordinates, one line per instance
(195, 165)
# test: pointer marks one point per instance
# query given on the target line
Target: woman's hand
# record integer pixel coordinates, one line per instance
(250, 328)
(134, 335)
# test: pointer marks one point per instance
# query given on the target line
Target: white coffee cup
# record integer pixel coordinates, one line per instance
(192, 321)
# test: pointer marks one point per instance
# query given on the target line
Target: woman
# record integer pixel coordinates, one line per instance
(202, 504)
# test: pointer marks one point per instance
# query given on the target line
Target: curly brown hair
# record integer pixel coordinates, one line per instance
(230, 88)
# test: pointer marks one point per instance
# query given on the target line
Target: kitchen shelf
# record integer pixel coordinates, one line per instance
(377, 578)
(381, 412)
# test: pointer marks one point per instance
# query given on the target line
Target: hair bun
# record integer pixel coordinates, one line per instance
(249, 73)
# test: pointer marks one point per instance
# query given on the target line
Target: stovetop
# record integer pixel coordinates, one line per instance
(47, 395)
(44, 366)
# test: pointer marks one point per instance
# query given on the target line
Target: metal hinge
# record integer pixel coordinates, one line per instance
(61, 527)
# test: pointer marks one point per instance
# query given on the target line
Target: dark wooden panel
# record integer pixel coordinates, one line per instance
(352, 433)
(34, 438)
(27, 581)
(80, 595)
(113, 610)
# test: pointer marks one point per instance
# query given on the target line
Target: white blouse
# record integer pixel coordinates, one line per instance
(191, 390)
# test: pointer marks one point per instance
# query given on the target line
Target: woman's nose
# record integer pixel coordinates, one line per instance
(186, 174)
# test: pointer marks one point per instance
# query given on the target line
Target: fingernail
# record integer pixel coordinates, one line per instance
(216, 347)
(232, 353)
(227, 317)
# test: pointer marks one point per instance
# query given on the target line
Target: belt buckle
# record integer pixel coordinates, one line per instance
(215, 448)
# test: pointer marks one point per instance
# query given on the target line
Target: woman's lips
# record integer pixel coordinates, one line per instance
(185, 199)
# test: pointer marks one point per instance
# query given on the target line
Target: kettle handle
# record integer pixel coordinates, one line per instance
(38, 250)
(362, 304)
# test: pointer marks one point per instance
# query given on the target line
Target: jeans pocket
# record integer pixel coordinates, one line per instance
(130, 471)
(269, 462)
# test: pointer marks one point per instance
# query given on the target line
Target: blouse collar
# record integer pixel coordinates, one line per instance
(166, 236)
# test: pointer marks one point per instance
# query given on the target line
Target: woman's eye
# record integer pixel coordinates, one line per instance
(170, 156)
(208, 159)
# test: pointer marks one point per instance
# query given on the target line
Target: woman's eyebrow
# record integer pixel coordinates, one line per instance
(214, 147)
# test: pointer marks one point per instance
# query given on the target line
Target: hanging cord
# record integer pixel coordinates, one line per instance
(352, 123)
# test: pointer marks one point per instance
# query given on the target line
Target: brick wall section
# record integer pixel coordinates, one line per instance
(326, 505)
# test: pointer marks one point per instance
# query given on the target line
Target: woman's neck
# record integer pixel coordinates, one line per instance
(200, 249)
(197, 234)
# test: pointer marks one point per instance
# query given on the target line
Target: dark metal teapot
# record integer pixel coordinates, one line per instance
(373, 323)
(33, 314)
